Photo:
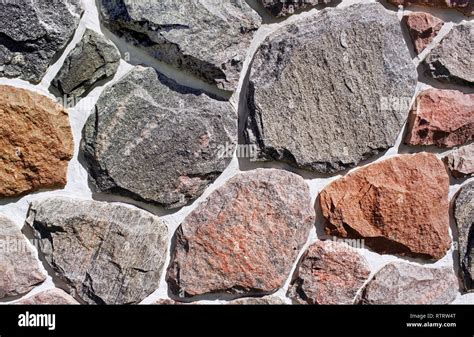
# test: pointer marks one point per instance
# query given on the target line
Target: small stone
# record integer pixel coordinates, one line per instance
(329, 273)
(266, 300)
(207, 38)
(451, 61)
(460, 162)
(36, 142)
(157, 141)
(444, 118)
(167, 301)
(423, 28)
(107, 253)
(49, 297)
(464, 216)
(281, 8)
(33, 33)
(244, 238)
(462, 5)
(405, 283)
(93, 59)
(398, 206)
(326, 92)
(19, 268)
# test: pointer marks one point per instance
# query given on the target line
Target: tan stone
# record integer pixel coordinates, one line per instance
(50, 297)
(460, 162)
(398, 206)
(36, 142)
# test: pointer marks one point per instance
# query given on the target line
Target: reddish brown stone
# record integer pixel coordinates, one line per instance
(35, 142)
(329, 273)
(423, 28)
(460, 4)
(244, 238)
(399, 206)
(51, 296)
(460, 162)
(444, 118)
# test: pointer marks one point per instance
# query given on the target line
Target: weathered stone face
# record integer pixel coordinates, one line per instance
(460, 162)
(35, 142)
(320, 88)
(329, 273)
(281, 8)
(444, 118)
(49, 297)
(155, 140)
(19, 269)
(398, 206)
(207, 38)
(404, 283)
(107, 253)
(451, 60)
(31, 35)
(244, 238)
(93, 59)
(464, 215)
(458, 4)
(423, 28)
(265, 300)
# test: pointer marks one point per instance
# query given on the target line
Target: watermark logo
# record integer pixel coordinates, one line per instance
(37, 320)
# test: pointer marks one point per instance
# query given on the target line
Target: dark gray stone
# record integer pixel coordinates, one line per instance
(32, 32)
(332, 89)
(464, 215)
(107, 253)
(93, 59)
(208, 38)
(156, 141)
(451, 61)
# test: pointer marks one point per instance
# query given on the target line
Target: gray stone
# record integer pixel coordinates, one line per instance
(244, 238)
(106, 253)
(464, 215)
(405, 283)
(331, 89)
(451, 61)
(208, 38)
(93, 59)
(19, 268)
(32, 33)
(280, 8)
(157, 141)
(265, 300)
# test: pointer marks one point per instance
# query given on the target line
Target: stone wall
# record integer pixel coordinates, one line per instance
(351, 182)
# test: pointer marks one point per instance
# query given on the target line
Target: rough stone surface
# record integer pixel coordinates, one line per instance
(321, 89)
(205, 37)
(444, 118)
(423, 28)
(461, 5)
(19, 269)
(405, 283)
(398, 206)
(49, 297)
(107, 253)
(36, 142)
(460, 162)
(266, 300)
(31, 35)
(329, 273)
(464, 215)
(451, 61)
(281, 8)
(93, 59)
(244, 238)
(157, 141)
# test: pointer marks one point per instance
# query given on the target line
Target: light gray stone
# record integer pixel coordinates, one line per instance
(280, 8)
(464, 215)
(106, 253)
(157, 141)
(93, 59)
(331, 89)
(405, 283)
(19, 268)
(451, 61)
(460, 162)
(208, 38)
(32, 33)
